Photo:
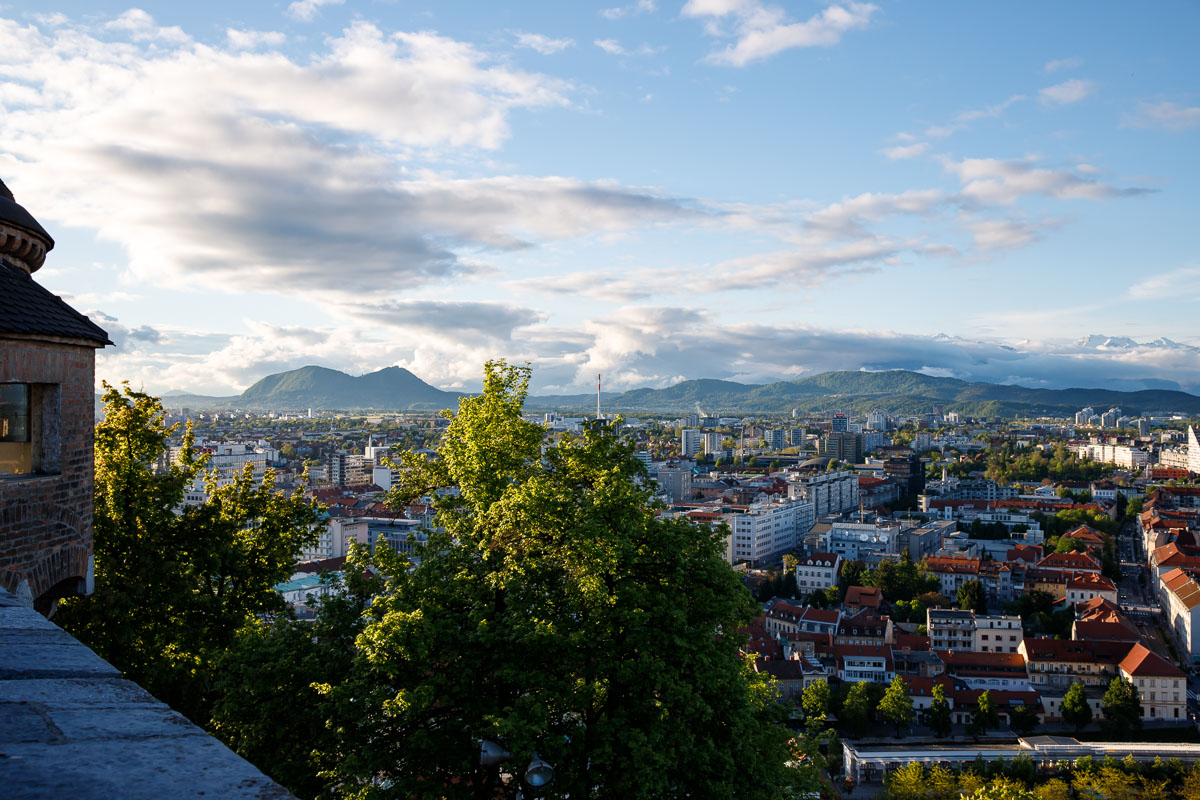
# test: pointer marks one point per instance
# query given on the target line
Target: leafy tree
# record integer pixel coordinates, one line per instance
(1024, 719)
(1122, 706)
(856, 711)
(971, 596)
(172, 590)
(984, 717)
(1108, 782)
(544, 615)
(272, 673)
(969, 782)
(1053, 789)
(906, 783)
(937, 717)
(815, 700)
(1075, 708)
(941, 784)
(1002, 789)
(896, 707)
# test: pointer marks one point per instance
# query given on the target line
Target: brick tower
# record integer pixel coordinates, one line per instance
(47, 411)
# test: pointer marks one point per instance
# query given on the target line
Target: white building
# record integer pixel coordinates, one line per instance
(1180, 595)
(817, 572)
(829, 492)
(690, 441)
(855, 541)
(1193, 451)
(334, 537)
(764, 530)
(1123, 456)
(227, 461)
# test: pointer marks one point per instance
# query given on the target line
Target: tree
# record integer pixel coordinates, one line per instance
(971, 597)
(984, 717)
(907, 782)
(856, 711)
(544, 615)
(1053, 789)
(172, 590)
(815, 700)
(1122, 706)
(937, 717)
(896, 707)
(1024, 719)
(1075, 708)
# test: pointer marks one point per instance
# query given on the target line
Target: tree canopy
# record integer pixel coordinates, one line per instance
(555, 612)
(1075, 709)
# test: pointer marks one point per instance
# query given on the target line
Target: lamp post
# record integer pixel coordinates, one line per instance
(537, 775)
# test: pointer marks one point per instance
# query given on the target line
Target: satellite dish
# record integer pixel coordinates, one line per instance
(862, 537)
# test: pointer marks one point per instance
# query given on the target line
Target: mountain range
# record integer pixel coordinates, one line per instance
(898, 391)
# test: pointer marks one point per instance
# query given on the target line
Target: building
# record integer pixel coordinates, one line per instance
(817, 572)
(1193, 451)
(842, 446)
(839, 423)
(829, 492)
(676, 482)
(690, 442)
(1161, 685)
(966, 631)
(225, 464)
(856, 541)
(763, 531)
(907, 472)
(776, 438)
(47, 417)
(867, 627)
(713, 444)
(1180, 600)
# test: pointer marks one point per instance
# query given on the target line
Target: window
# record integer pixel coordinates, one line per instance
(16, 430)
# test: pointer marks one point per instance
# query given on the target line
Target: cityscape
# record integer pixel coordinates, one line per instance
(705, 399)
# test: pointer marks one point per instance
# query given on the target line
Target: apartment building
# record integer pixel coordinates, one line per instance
(817, 572)
(763, 531)
(829, 492)
(953, 629)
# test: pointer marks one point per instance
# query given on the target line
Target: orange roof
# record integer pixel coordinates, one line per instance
(1140, 662)
(1072, 561)
(865, 596)
(1183, 586)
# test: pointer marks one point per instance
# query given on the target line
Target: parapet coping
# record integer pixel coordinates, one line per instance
(71, 726)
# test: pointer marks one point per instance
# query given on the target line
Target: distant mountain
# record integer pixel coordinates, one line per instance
(393, 389)
(897, 391)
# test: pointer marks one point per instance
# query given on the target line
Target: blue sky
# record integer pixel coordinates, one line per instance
(656, 191)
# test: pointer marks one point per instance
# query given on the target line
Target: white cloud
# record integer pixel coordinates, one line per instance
(141, 27)
(250, 40)
(1166, 115)
(1174, 285)
(639, 7)
(963, 119)
(761, 31)
(615, 48)
(1063, 63)
(543, 44)
(906, 151)
(1067, 92)
(993, 181)
(306, 10)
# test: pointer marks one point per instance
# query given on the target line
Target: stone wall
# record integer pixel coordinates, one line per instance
(46, 519)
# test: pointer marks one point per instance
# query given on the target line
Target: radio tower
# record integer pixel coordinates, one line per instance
(598, 396)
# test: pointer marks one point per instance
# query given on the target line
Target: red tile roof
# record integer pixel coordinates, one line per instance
(1140, 662)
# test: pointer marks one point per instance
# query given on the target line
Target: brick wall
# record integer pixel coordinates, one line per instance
(46, 520)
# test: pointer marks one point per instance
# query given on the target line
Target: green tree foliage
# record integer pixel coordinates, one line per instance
(1001, 789)
(1053, 789)
(906, 783)
(984, 717)
(815, 700)
(546, 616)
(269, 706)
(172, 590)
(1024, 719)
(856, 710)
(896, 707)
(937, 717)
(1075, 709)
(971, 596)
(1007, 464)
(1122, 706)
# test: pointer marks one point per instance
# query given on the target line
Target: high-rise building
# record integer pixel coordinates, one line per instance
(690, 441)
(907, 472)
(1109, 418)
(1193, 452)
(797, 437)
(842, 446)
(839, 423)
(1082, 417)
(776, 438)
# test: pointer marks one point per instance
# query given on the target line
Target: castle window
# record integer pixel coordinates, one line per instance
(16, 434)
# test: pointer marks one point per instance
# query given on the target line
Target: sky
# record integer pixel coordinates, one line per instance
(654, 191)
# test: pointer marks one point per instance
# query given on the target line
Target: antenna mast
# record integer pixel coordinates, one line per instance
(597, 396)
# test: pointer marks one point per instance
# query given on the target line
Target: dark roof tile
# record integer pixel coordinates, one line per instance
(28, 309)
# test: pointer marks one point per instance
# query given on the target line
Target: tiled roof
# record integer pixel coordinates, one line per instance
(863, 596)
(1073, 561)
(28, 309)
(1140, 662)
(1183, 586)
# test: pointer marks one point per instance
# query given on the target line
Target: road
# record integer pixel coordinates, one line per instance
(1137, 598)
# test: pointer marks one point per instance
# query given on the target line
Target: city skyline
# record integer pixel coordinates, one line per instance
(657, 191)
